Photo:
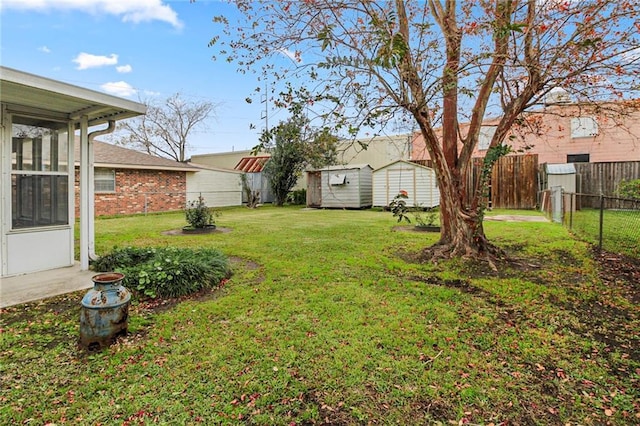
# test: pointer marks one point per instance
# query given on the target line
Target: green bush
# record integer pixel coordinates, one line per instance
(629, 189)
(198, 215)
(297, 197)
(166, 272)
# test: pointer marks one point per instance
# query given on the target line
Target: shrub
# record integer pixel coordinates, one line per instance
(198, 214)
(629, 189)
(297, 197)
(166, 272)
(398, 206)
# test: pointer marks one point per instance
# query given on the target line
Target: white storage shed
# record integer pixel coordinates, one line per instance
(419, 182)
(563, 175)
(344, 186)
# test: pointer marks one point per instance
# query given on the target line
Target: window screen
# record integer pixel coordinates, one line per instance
(39, 173)
(104, 180)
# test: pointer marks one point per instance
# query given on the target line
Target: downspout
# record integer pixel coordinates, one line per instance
(91, 186)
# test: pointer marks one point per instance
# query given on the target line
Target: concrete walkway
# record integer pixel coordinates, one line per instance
(41, 285)
(516, 218)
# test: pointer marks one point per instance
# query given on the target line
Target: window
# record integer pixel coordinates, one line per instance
(104, 180)
(486, 134)
(39, 173)
(584, 127)
(577, 158)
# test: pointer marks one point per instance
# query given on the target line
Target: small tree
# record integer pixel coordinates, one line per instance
(164, 130)
(295, 145)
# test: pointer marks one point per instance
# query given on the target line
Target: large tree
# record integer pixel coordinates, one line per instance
(440, 63)
(164, 130)
(293, 146)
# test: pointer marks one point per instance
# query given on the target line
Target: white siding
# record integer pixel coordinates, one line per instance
(218, 188)
(39, 251)
(567, 182)
(419, 182)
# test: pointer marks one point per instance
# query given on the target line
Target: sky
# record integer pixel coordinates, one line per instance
(137, 49)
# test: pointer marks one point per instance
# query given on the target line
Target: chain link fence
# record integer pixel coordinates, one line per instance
(611, 223)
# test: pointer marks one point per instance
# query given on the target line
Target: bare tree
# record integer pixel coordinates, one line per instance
(164, 130)
(442, 63)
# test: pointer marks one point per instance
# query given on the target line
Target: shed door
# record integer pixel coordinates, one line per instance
(314, 189)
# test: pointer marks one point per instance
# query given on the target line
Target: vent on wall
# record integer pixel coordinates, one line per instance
(337, 179)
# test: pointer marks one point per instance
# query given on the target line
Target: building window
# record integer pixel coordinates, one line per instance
(485, 137)
(584, 127)
(577, 158)
(104, 180)
(39, 173)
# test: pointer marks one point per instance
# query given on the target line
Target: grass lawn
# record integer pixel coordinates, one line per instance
(620, 231)
(327, 320)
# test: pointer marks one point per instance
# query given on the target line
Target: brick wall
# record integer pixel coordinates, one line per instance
(139, 191)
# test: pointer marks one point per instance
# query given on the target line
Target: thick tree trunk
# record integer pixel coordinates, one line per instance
(462, 233)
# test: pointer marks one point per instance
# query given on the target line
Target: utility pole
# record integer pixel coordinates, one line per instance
(265, 100)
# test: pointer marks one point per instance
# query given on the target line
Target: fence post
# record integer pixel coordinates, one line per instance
(145, 203)
(601, 222)
(572, 197)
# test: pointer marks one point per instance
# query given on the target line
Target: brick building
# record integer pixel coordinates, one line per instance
(129, 182)
(565, 132)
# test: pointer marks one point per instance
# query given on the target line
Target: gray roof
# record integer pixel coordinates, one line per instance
(118, 157)
(341, 167)
(408, 163)
(561, 169)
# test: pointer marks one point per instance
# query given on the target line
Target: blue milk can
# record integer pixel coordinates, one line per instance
(105, 311)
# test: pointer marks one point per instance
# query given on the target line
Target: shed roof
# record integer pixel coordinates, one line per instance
(28, 93)
(213, 168)
(341, 167)
(561, 169)
(405, 162)
(253, 164)
(117, 157)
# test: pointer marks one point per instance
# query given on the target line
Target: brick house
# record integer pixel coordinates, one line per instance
(566, 132)
(128, 181)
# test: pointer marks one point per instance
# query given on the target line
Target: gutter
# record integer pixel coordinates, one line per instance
(90, 184)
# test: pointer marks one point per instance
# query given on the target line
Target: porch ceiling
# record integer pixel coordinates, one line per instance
(32, 94)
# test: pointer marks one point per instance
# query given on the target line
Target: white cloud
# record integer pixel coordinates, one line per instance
(123, 69)
(289, 54)
(87, 60)
(631, 56)
(128, 10)
(44, 49)
(151, 93)
(119, 88)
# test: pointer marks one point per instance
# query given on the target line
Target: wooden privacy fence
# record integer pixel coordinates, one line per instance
(604, 178)
(513, 183)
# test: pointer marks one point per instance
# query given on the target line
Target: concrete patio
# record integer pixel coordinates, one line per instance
(41, 285)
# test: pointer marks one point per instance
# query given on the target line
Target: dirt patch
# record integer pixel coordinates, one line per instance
(413, 228)
(620, 271)
(218, 230)
(516, 218)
